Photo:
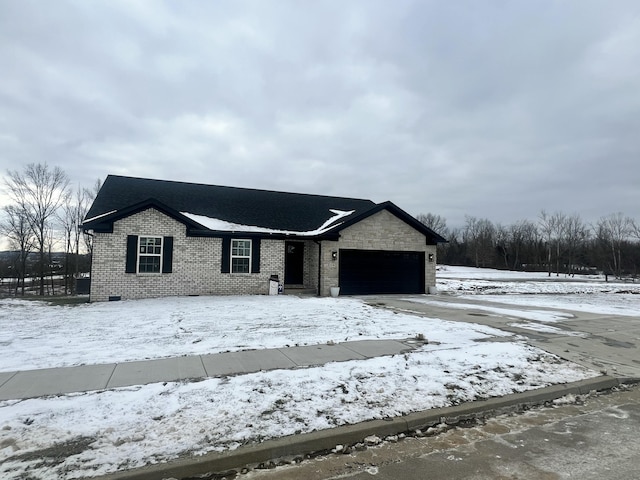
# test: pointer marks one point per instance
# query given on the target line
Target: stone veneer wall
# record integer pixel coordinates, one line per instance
(196, 263)
(381, 231)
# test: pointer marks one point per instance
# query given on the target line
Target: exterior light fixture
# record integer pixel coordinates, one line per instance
(334, 255)
(431, 257)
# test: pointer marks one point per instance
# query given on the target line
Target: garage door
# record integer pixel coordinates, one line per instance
(373, 271)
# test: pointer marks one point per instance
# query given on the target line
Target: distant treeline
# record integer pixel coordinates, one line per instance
(60, 272)
(555, 243)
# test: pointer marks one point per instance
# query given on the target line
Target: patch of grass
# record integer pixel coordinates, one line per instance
(57, 453)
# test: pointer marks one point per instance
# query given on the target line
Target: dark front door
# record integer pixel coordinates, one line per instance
(367, 272)
(293, 263)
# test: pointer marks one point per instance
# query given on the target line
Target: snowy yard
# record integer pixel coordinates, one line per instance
(38, 335)
(536, 289)
(128, 427)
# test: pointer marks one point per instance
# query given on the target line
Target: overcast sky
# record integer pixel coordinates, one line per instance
(494, 109)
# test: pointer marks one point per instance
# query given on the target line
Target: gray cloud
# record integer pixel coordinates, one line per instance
(493, 109)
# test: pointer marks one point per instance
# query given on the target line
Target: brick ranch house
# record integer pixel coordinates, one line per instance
(155, 238)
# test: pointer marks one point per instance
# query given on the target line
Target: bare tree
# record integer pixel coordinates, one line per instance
(503, 243)
(71, 215)
(50, 263)
(38, 191)
(576, 234)
(516, 242)
(613, 230)
(479, 235)
(438, 224)
(546, 228)
(555, 242)
(559, 225)
(89, 196)
(552, 229)
(435, 222)
(16, 229)
(635, 229)
(524, 237)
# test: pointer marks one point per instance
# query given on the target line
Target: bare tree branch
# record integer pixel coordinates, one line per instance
(38, 191)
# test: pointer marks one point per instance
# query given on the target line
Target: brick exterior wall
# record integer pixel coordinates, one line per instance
(381, 231)
(197, 260)
(196, 263)
(311, 264)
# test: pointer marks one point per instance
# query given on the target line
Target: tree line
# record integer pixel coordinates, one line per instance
(556, 243)
(44, 216)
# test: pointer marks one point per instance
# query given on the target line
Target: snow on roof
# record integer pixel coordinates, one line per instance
(224, 226)
(87, 220)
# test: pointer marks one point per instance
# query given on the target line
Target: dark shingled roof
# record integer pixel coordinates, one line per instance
(293, 212)
(244, 206)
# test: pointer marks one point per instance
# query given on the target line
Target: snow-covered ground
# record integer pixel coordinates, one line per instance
(37, 335)
(585, 293)
(472, 273)
(101, 432)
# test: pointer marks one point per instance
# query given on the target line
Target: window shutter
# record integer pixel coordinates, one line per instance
(132, 254)
(255, 255)
(167, 254)
(226, 255)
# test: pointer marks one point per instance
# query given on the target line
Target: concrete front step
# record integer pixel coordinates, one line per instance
(299, 290)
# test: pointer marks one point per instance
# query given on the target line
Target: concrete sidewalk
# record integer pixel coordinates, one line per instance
(59, 381)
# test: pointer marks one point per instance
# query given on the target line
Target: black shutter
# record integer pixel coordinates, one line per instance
(132, 254)
(255, 255)
(167, 254)
(226, 255)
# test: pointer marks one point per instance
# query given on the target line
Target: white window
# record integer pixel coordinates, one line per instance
(150, 254)
(240, 256)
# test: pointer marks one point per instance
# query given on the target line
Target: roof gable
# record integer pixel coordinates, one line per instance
(432, 237)
(104, 222)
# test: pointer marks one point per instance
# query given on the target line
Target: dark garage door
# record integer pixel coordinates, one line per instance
(373, 271)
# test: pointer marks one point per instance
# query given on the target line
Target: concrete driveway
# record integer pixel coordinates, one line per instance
(605, 343)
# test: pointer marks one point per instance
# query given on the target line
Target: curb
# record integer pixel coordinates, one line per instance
(324, 440)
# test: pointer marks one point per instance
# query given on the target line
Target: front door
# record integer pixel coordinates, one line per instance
(294, 263)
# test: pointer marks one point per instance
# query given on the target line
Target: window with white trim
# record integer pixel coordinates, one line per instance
(240, 256)
(149, 254)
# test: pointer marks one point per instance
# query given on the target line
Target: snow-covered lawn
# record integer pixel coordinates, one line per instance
(472, 273)
(535, 289)
(101, 432)
(37, 335)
